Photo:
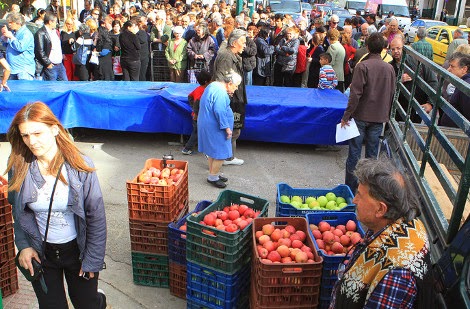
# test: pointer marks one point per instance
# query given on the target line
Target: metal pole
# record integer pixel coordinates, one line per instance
(458, 13)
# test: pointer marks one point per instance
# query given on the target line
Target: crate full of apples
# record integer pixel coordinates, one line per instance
(286, 268)
(335, 234)
(159, 191)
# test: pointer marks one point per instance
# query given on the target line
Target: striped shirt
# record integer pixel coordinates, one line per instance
(328, 79)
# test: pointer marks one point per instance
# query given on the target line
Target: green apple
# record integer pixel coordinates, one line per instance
(340, 200)
(304, 206)
(331, 205)
(285, 199)
(314, 204)
(322, 200)
(330, 196)
(297, 199)
(310, 199)
(342, 205)
(296, 204)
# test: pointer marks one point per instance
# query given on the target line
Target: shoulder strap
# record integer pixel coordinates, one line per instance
(50, 208)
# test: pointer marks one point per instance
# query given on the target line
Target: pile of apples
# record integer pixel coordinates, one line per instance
(164, 177)
(285, 245)
(329, 201)
(230, 219)
(335, 240)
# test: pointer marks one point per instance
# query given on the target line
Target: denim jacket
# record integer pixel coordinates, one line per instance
(86, 202)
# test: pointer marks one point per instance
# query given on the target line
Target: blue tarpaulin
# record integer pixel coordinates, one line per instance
(273, 114)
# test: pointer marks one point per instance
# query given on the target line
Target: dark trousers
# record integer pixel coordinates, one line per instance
(60, 260)
(81, 71)
(130, 70)
(106, 68)
(193, 138)
(282, 79)
(144, 62)
(259, 80)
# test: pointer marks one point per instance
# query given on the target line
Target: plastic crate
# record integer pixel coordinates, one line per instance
(8, 278)
(216, 288)
(287, 210)
(7, 243)
(222, 251)
(241, 303)
(1, 302)
(5, 214)
(3, 192)
(149, 202)
(177, 280)
(177, 238)
(150, 269)
(280, 303)
(278, 284)
(330, 263)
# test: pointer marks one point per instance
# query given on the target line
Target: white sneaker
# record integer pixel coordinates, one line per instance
(235, 161)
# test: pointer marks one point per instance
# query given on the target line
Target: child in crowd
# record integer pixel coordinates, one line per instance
(203, 78)
(328, 79)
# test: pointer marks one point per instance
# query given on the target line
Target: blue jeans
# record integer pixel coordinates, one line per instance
(21, 76)
(57, 72)
(369, 134)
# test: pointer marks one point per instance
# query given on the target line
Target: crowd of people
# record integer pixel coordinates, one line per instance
(113, 42)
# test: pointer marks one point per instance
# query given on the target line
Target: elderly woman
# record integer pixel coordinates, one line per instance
(83, 38)
(338, 54)
(176, 55)
(66, 236)
(201, 48)
(286, 58)
(215, 124)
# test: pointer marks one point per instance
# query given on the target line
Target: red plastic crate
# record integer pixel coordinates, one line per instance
(150, 237)
(278, 285)
(7, 243)
(148, 202)
(5, 215)
(3, 192)
(177, 280)
(8, 278)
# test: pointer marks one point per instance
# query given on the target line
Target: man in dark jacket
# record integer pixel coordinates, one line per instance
(459, 65)
(48, 50)
(420, 95)
(55, 9)
(144, 47)
(370, 99)
(228, 58)
(85, 12)
(249, 53)
(104, 46)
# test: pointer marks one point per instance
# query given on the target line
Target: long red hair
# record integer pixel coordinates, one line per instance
(21, 156)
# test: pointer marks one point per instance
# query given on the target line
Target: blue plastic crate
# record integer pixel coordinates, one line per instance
(206, 285)
(177, 238)
(330, 263)
(236, 303)
(287, 210)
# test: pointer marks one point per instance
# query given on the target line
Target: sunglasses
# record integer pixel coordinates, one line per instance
(334, 22)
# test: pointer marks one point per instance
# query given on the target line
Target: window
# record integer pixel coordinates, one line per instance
(432, 33)
(444, 35)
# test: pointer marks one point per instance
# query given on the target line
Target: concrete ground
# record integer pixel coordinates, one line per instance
(119, 156)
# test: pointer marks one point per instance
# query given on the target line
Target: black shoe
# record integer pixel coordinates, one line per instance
(224, 179)
(217, 183)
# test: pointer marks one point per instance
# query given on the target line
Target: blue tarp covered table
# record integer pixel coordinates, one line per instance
(273, 114)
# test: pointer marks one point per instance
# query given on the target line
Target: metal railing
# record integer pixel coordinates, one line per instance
(427, 136)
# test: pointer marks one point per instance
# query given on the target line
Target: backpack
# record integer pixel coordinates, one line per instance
(81, 55)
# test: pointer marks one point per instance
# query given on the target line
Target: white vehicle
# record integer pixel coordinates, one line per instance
(410, 30)
(355, 5)
(399, 8)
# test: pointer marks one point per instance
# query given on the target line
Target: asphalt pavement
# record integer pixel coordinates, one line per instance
(119, 156)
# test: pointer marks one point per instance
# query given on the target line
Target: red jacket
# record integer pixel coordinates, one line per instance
(350, 52)
(301, 59)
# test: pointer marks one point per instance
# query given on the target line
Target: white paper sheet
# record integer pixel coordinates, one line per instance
(348, 132)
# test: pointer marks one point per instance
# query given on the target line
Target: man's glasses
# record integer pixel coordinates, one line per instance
(334, 22)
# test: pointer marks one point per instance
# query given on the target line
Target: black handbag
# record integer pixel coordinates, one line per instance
(37, 267)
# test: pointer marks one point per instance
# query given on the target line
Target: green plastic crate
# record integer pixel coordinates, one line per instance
(151, 269)
(222, 251)
(1, 303)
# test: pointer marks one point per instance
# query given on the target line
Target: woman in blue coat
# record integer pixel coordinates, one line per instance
(215, 125)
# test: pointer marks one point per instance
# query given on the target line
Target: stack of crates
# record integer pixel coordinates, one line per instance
(151, 208)
(177, 252)
(289, 285)
(8, 273)
(218, 262)
(159, 66)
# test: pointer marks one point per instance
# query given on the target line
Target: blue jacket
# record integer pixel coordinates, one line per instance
(86, 202)
(20, 52)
